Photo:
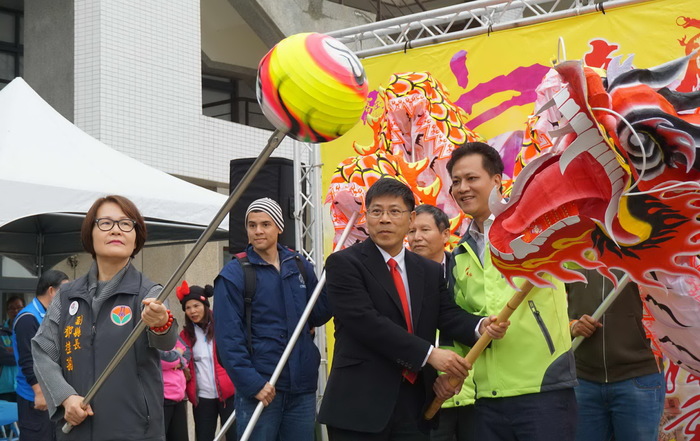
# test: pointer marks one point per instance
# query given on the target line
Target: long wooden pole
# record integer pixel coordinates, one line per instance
(483, 342)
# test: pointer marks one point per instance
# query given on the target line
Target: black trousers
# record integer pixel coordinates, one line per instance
(175, 416)
(456, 424)
(207, 412)
(9, 396)
(34, 425)
(406, 423)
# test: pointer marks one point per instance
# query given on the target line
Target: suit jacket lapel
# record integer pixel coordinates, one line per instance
(380, 270)
(416, 278)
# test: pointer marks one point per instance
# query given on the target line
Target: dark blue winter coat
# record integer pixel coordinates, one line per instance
(277, 306)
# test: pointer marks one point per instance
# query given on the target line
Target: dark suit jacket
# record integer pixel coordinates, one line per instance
(372, 345)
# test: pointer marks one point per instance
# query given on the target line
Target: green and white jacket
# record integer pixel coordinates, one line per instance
(535, 354)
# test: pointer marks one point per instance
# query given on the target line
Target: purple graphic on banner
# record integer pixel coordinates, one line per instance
(458, 66)
(522, 81)
(371, 101)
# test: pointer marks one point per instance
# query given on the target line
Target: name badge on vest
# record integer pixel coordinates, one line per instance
(73, 307)
(121, 315)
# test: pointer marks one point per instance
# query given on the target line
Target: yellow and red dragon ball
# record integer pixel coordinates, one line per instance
(312, 87)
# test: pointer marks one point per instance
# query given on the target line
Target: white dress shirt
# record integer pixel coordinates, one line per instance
(481, 238)
(401, 265)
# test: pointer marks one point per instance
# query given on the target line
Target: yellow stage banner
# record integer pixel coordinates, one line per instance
(493, 77)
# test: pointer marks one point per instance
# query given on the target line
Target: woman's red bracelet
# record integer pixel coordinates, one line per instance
(165, 327)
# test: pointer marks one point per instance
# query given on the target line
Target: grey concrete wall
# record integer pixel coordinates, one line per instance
(48, 51)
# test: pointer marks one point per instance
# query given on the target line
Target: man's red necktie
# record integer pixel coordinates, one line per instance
(398, 282)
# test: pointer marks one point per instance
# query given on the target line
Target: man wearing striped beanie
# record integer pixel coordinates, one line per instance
(251, 339)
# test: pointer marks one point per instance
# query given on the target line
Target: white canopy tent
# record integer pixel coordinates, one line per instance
(51, 172)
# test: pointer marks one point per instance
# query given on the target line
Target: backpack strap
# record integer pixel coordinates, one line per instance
(300, 265)
(248, 292)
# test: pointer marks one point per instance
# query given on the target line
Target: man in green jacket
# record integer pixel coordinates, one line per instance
(523, 383)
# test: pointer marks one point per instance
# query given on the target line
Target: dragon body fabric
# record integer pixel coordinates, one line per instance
(609, 177)
(415, 128)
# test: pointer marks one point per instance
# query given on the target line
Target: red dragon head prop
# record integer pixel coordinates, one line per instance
(599, 193)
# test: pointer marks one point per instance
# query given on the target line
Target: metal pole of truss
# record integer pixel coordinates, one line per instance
(308, 203)
(462, 21)
(308, 216)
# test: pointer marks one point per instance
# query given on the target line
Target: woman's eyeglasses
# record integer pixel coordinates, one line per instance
(106, 224)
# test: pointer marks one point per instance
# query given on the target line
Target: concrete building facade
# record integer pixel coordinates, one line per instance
(131, 75)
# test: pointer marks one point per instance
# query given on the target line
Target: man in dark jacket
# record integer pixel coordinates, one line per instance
(281, 294)
(621, 382)
(33, 417)
(429, 233)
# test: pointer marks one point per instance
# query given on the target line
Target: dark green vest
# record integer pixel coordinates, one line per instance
(129, 405)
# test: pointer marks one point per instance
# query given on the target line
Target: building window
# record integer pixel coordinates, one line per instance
(11, 45)
(232, 100)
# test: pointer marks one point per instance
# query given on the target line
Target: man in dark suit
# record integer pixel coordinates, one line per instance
(427, 236)
(384, 366)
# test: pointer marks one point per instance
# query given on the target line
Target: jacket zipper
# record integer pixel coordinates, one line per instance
(143, 391)
(543, 327)
(145, 402)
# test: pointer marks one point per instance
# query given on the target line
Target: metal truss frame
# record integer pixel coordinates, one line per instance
(462, 21)
(308, 204)
(308, 217)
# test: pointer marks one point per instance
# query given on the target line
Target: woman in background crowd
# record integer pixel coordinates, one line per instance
(209, 388)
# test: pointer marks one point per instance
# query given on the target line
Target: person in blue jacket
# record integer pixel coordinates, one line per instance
(284, 282)
(8, 364)
(33, 418)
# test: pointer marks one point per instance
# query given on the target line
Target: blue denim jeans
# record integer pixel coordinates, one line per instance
(289, 417)
(631, 409)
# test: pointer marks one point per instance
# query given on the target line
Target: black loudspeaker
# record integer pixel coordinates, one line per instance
(275, 180)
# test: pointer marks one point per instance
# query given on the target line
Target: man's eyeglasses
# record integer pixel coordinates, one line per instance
(106, 224)
(394, 213)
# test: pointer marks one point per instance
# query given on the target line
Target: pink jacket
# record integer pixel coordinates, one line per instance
(172, 363)
(224, 386)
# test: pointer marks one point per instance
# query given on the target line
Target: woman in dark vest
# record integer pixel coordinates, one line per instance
(88, 321)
